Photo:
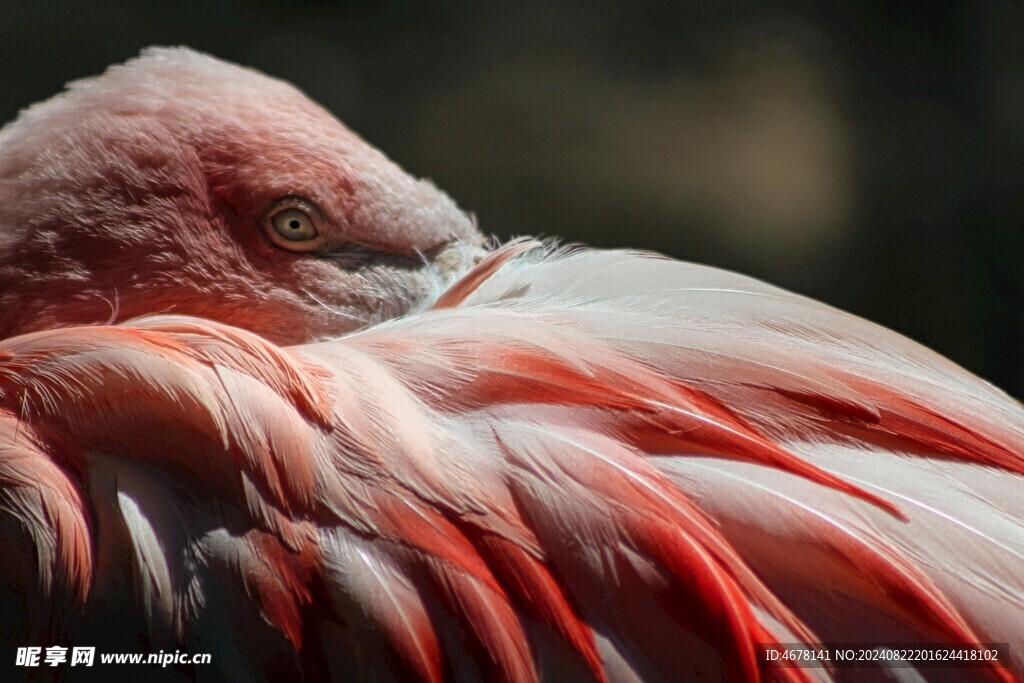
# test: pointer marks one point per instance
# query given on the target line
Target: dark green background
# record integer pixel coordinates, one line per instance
(867, 154)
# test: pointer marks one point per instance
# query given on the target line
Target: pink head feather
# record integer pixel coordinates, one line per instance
(147, 189)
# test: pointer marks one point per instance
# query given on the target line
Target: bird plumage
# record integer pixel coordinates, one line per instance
(569, 465)
(143, 191)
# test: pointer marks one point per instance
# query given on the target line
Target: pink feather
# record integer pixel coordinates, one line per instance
(556, 465)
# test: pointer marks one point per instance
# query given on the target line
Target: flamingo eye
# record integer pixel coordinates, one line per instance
(294, 225)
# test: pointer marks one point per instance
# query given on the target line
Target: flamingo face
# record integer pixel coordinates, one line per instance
(179, 183)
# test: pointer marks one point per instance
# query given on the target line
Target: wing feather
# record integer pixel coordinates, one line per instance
(600, 465)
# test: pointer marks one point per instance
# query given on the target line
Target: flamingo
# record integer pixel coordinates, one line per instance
(265, 396)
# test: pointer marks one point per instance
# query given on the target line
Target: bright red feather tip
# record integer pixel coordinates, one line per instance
(386, 454)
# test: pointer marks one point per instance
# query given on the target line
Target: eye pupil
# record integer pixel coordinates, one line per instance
(294, 224)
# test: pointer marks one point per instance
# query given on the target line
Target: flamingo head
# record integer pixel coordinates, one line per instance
(179, 183)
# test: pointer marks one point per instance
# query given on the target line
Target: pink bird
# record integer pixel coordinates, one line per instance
(266, 397)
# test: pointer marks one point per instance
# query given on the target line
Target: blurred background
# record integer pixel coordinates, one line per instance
(868, 154)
